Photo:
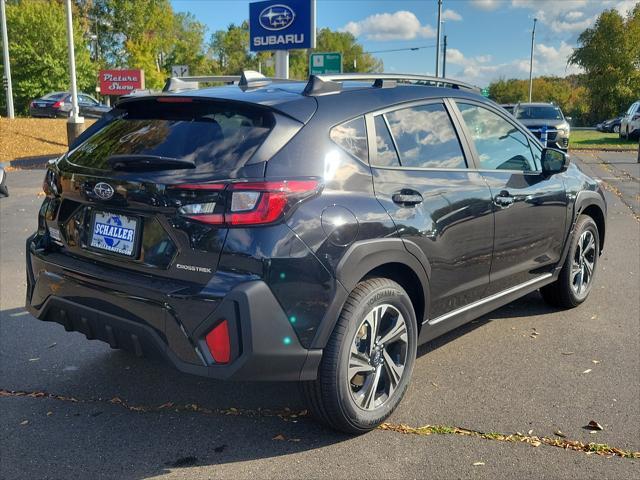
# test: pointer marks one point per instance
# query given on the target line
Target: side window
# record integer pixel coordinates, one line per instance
(500, 145)
(426, 137)
(386, 151)
(351, 136)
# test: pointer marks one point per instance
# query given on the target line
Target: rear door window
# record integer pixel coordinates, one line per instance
(386, 153)
(213, 136)
(425, 137)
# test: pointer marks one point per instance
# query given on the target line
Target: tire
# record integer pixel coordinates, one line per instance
(344, 403)
(576, 277)
(621, 135)
(616, 129)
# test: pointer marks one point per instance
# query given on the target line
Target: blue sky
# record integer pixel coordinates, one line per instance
(487, 39)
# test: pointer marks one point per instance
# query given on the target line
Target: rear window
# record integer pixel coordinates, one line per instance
(211, 135)
(54, 96)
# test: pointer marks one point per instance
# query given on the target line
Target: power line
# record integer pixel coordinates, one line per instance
(401, 49)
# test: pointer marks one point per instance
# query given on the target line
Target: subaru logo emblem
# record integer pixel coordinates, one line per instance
(277, 17)
(103, 190)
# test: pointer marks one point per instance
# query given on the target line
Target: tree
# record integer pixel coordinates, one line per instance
(609, 53)
(230, 49)
(188, 45)
(568, 93)
(38, 51)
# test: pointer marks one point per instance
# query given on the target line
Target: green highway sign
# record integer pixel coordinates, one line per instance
(324, 63)
(485, 92)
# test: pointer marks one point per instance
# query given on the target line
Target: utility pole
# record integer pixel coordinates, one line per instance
(533, 39)
(438, 40)
(75, 124)
(7, 65)
(444, 58)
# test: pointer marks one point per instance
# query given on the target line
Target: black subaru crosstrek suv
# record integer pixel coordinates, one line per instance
(308, 231)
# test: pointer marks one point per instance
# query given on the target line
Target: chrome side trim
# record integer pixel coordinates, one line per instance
(489, 299)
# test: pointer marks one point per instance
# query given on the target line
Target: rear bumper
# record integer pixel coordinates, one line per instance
(264, 346)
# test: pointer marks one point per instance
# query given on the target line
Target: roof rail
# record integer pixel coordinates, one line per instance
(328, 84)
(248, 79)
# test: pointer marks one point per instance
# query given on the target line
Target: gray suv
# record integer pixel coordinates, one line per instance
(538, 117)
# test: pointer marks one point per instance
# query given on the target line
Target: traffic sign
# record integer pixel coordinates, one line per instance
(180, 71)
(324, 63)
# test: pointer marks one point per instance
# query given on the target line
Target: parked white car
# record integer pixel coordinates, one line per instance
(630, 124)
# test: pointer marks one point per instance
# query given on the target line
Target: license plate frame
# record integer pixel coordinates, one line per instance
(120, 243)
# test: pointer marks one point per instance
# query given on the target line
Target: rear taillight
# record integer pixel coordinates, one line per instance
(247, 203)
(218, 342)
(58, 104)
(32, 104)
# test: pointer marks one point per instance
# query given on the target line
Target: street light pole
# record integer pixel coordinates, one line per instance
(438, 40)
(533, 39)
(444, 58)
(75, 124)
(7, 64)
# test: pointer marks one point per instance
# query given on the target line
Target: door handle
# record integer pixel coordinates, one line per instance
(407, 198)
(504, 199)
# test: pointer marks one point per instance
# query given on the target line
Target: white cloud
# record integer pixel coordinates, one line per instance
(573, 16)
(548, 60)
(401, 25)
(451, 15)
(485, 4)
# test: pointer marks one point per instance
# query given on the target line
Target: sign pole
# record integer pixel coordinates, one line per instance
(533, 39)
(75, 124)
(282, 63)
(7, 64)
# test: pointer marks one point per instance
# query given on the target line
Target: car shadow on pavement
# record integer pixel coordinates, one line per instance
(118, 416)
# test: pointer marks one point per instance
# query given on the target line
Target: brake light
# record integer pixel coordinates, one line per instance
(247, 203)
(58, 104)
(218, 342)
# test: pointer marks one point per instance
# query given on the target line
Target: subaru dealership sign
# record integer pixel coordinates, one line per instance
(282, 25)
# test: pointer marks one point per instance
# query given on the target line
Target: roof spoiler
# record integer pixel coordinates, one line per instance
(248, 80)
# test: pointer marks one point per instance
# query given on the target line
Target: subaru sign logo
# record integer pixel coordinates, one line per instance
(277, 17)
(103, 190)
(281, 25)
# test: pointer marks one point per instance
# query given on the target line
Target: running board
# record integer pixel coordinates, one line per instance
(442, 324)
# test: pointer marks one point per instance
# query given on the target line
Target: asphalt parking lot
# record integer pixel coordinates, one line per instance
(71, 408)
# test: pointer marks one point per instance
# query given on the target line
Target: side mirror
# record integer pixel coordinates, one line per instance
(568, 119)
(554, 161)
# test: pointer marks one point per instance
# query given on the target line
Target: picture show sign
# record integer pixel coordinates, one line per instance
(120, 82)
(282, 25)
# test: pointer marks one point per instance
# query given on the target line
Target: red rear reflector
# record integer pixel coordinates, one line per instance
(218, 342)
(174, 100)
(199, 186)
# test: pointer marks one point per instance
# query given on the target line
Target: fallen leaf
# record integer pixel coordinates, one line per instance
(294, 439)
(587, 370)
(49, 414)
(478, 464)
(593, 425)
(595, 362)
(52, 345)
(529, 432)
(567, 353)
(594, 317)
(35, 359)
(536, 443)
(434, 384)
(560, 434)
(24, 422)
(279, 437)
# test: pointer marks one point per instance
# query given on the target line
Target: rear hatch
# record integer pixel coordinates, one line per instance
(148, 191)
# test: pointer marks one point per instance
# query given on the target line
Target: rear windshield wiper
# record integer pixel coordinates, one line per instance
(139, 162)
